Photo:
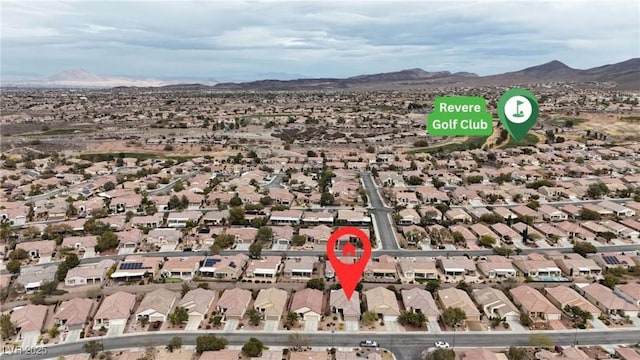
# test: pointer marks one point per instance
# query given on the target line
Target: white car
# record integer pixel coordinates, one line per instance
(441, 345)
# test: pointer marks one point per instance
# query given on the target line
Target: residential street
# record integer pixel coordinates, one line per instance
(406, 346)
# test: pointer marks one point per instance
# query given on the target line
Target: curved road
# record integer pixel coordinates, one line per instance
(406, 346)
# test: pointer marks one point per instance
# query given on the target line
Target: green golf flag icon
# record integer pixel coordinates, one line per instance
(519, 112)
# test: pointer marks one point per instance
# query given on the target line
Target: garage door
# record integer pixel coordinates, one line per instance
(312, 317)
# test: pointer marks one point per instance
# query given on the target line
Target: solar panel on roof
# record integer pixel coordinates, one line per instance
(611, 260)
(232, 264)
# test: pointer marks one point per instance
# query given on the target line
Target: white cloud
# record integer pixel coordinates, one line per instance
(315, 38)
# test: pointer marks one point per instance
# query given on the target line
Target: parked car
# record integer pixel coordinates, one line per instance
(441, 344)
(368, 343)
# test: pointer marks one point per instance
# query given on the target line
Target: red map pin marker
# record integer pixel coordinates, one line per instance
(349, 274)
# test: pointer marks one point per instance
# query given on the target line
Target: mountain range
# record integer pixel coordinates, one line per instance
(623, 75)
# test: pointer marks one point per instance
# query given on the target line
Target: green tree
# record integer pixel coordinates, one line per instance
(108, 240)
(412, 318)
(48, 287)
(611, 280)
(453, 316)
(7, 329)
(253, 347)
(432, 285)
(534, 204)
(264, 235)
(326, 199)
(179, 316)
(291, 318)
(578, 316)
(517, 353)
(502, 251)
(13, 266)
(597, 190)
(174, 343)
(235, 201)
(583, 248)
(184, 289)
(92, 348)
(236, 216)
(587, 214)
(440, 354)
(540, 341)
(369, 317)
(525, 320)
(210, 343)
(487, 241)
(255, 250)
(224, 240)
(316, 284)
(298, 240)
(415, 180)
(18, 254)
(254, 317)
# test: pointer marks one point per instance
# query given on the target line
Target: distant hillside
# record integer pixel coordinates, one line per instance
(624, 75)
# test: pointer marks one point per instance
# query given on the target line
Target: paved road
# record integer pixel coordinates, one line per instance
(276, 182)
(380, 212)
(167, 187)
(406, 346)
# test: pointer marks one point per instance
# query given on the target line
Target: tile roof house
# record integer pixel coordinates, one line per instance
(80, 243)
(319, 234)
(348, 309)
(271, 303)
(534, 304)
(157, 305)
(579, 266)
(234, 302)
(630, 292)
(181, 267)
(495, 303)
(612, 260)
(562, 296)
(307, 303)
(31, 277)
(74, 313)
(382, 302)
(29, 320)
(299, 267)
(417, 268)
(224, 267)
(266, 268)
(114, 310)
(607, 301)
(497, 269)
(38, 249)
(381, 269)
(198, 302)
(88, 274)
(456, 298)
(163, 236)
(479, 354)
(137, 266)
(457, 266)
(421, 301)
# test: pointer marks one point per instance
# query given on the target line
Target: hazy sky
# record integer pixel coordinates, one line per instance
(244, 39)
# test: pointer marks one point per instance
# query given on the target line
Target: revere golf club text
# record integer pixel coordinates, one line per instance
(459, 116)
(464, 124)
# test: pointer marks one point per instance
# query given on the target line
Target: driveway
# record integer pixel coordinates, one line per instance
(231, 325)
(44, 260)
(271, 325)
(89, 253)
(391, 324)
(192, 324)
(311, 325)
(115, 329)
(242, 247)
(515, 325)
(351, 325)
(30, 339)
(434, 327)
(73, 335)
(168, 247)
(598, 324)
(126, 251)
(279, 247)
